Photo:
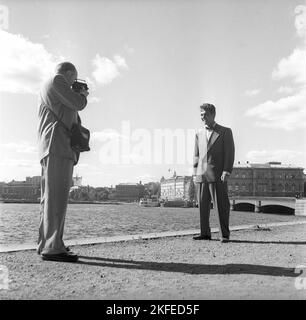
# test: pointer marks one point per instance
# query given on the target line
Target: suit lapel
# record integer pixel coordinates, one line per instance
(214, 136)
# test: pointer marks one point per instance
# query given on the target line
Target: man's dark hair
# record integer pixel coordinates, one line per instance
(208, 107)
(64, 67)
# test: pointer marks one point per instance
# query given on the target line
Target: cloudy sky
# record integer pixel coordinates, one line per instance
(149, 65)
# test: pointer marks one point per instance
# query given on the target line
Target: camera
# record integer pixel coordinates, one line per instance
(78, 85)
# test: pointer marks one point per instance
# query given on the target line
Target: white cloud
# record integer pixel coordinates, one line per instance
(288, 112)
(106, 70)
(91, 84)
(120, 62)
(282, 155)
(22, 147)
(93, 99)
(18, 168)
(23, 64)
(83, 165)
(147, 177)
(300, 20)
(292, 67)
(24, 163)
(252, 92)
(285, 90)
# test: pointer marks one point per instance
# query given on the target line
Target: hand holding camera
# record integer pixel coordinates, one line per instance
(80, 86)
(84, 92)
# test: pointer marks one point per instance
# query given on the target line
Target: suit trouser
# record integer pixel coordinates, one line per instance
(56, 179)
(216, 192)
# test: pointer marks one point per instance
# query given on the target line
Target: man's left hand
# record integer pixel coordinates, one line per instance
(225, 176)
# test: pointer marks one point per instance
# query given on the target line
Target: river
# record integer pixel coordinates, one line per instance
(19, 222)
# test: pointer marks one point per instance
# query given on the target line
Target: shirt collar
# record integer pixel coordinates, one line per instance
(212, 127)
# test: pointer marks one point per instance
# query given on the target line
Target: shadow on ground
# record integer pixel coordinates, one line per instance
(190, 268)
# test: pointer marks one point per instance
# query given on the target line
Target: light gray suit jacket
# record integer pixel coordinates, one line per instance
(215, 156)
(53, 138)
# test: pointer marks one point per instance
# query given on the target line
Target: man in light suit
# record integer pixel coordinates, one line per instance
(57, 102)
(213, 163)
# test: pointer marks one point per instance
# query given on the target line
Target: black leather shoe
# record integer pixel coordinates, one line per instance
(64, 257)
(202, 237)
(224, 240)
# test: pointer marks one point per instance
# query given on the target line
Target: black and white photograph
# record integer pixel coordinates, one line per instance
(152, 151)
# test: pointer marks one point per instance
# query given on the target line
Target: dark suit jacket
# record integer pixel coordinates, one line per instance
(215, 156)
(58, 96)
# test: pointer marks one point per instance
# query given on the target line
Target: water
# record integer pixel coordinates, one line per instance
(19, 222)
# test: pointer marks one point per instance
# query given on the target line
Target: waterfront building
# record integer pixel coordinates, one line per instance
(129, 192)
(175, 188)
(272, 179)
(28, 190)
(34, 180)
(111, 193)
(76, 181)
(152, 189)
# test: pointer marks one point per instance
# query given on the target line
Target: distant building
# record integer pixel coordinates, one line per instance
(111, 193)
(77, 181)
(129, 192)
(34, 180)
(2, 186)
(271, 179)
(152, 189)
(175, 188)
(28, 190)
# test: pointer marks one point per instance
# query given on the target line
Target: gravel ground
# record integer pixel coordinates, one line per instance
(256, 264)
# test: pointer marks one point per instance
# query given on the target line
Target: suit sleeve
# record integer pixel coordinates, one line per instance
(229, 151)
(67, 96)
(196, 154)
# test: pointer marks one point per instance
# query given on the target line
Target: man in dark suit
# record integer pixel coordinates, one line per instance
(213, 163)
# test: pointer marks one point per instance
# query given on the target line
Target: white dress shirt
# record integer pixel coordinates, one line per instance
(209, 131)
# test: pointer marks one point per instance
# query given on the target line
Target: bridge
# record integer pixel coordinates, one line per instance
(258, 203)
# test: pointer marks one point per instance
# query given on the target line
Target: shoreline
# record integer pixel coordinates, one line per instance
(150, 236)
(19, 223)
(69, 202)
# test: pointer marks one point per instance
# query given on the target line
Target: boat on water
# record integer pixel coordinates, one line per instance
(149, 202)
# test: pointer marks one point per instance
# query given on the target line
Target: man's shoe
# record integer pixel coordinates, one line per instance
(224, 240)
(200, 237)
(64, 257)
